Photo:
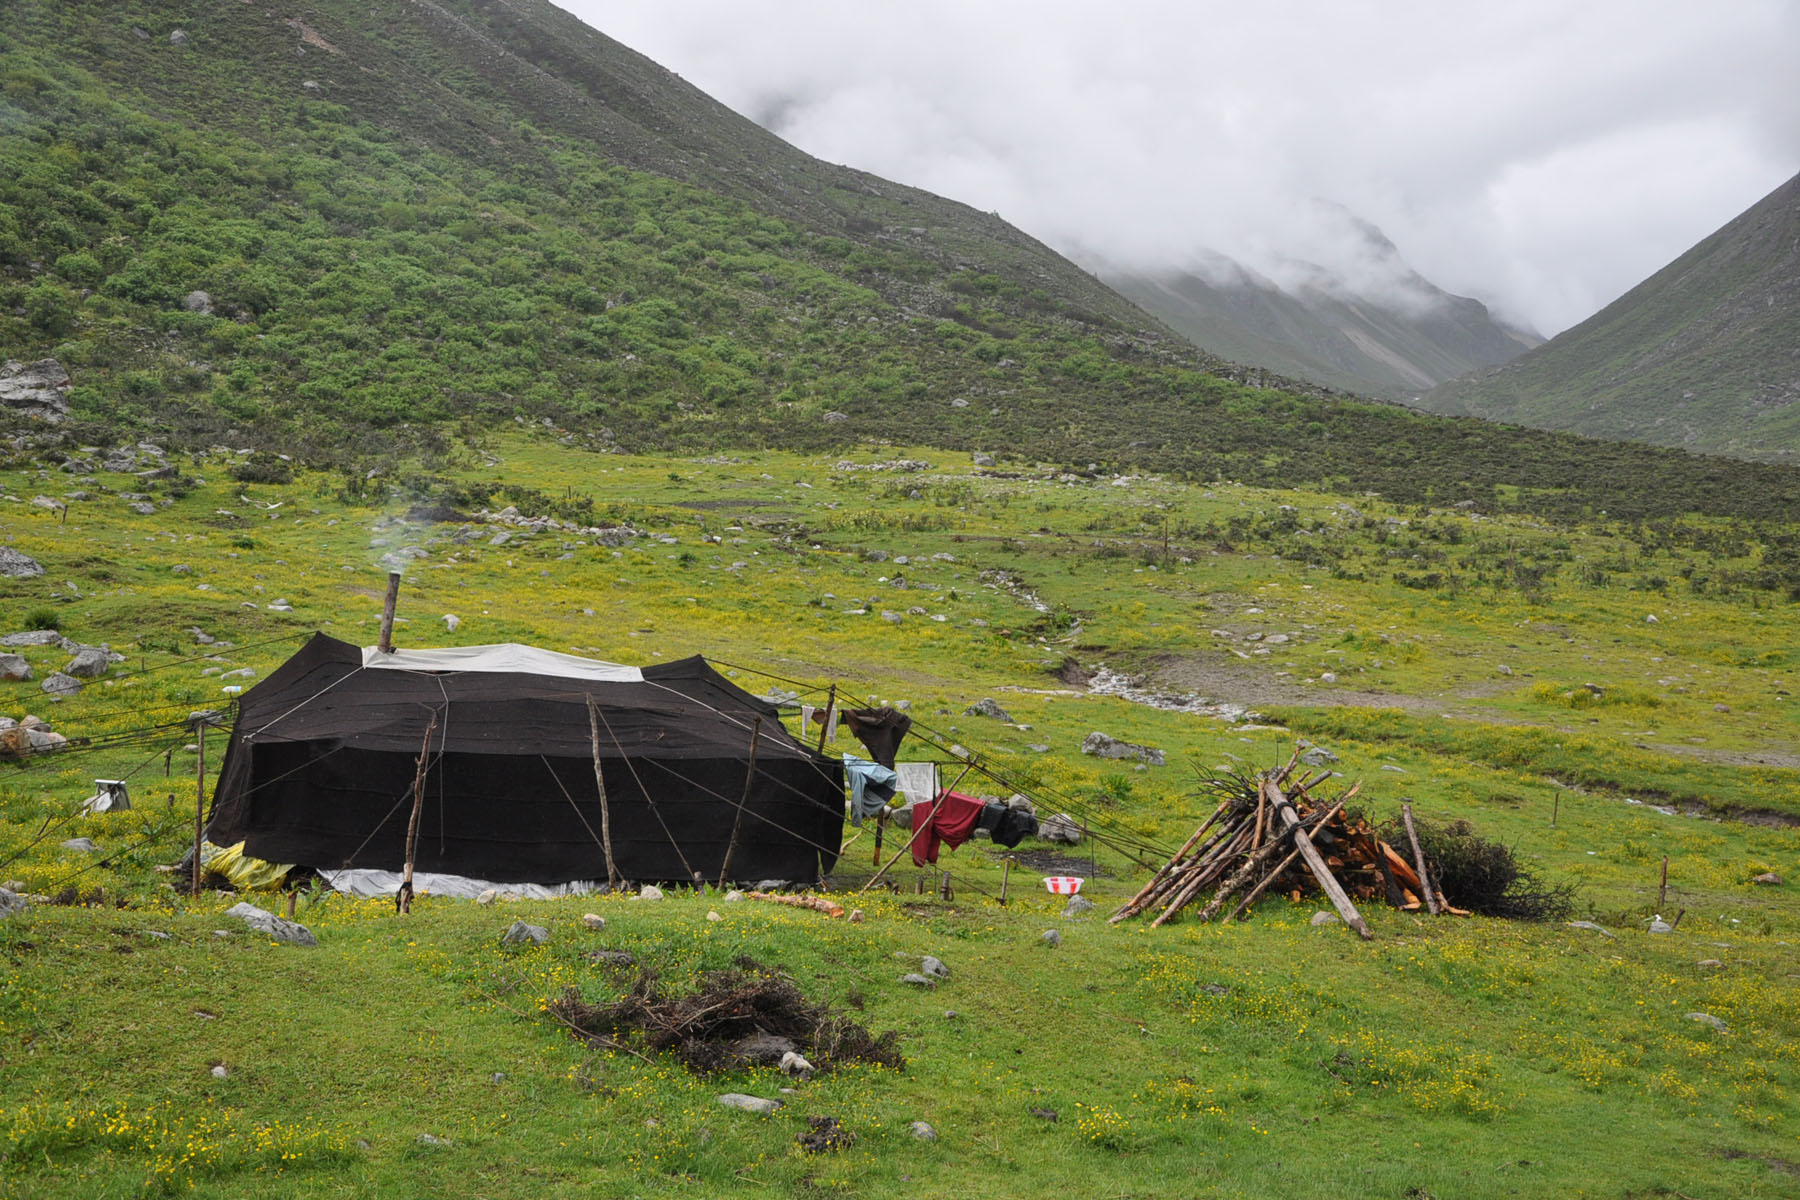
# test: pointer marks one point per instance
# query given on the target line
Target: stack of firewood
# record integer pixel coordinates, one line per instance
(1270, 833)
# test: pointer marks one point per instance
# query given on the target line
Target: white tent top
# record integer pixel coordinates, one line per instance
(502, 656)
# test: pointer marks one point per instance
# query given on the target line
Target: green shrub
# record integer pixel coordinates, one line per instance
(43, 618)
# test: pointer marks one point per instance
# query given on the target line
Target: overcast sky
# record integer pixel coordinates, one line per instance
(1542, 155)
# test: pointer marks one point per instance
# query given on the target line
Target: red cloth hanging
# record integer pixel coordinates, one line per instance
(949, 821)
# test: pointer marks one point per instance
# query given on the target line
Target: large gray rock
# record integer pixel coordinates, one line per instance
(11, 903)
(89, 662)
(755, 1104)
(1077, 906)
(16, 565)
(934, 967)
(279, 928)
(32, 637)
(1061, 828)
(81, 845)
(1708, 1019)
(198, 302)
(38, 389)
(14, 668)
(987, 708)
(1602, 931)
(59, 684)
(1317, 756)
(1101, 746)
(522, 932)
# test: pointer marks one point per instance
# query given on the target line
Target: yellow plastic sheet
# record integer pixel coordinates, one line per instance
(246, 873)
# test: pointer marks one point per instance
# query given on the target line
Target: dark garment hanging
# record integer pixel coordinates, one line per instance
(880, 729)
(1014, 826)
(948, 821)
(991, 812)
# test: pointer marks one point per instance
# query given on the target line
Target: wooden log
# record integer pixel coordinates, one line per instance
(386, 642)
(1425, 887)
(1201, 878)
(1175, 868)
(1243, 908)
(1401, 868)
(1284, 812)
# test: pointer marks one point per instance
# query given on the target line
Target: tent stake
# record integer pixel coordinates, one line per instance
(403, 901)
(738, 820)
(915, 830)
(387, 613)
(612, 871)
(1005, 875)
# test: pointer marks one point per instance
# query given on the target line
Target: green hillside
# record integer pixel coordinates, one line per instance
(1701, 355)
(411, 218)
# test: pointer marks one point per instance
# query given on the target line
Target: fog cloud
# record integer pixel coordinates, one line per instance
(1543, 155)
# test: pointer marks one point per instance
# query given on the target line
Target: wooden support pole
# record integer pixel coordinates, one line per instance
(1555, 807)
(1662, 891)
(1005, 877)
(1284, 812)
(1243, 908)
(1426, 890)
(1132, 906)
(825, 718)
(403, 901)
(612, 868)
(944, 891)
(199, 803)
(738, 820)
(917, 826)
(386, 644)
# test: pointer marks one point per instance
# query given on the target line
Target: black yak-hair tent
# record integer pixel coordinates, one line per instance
(321, 763)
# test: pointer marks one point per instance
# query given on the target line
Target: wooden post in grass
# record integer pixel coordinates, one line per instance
(1005, 876)
(738, 820)
(386, 644)
(403, 901)
(1419, 860)
(944, 887)
(1662, 892)
(1555, 807)
(612, 870)
(199, 803)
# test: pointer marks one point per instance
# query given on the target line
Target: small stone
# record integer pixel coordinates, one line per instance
(1661, 926)
(987, 708)
(755, 1104)
(1599, 929)
(487, 897)
(1721, 708)
(1324, 918)
(178, 38)
(923, 1132)
(1708, 1019)
(733, 896)
(427, 1139)
(611, 958)
(59, 684)
(521, 931)
(219, 1072)
(650, 892)
(156, 935)
(1050, 937)
(950, 1014)
(11, 903)
(1044, 1114)
(856, 916)
(497, 1077)
(81, 845)
(918, 980)
(1101, 745)
(1078, 905)
(713, 916)
(270, 925)
(793, 1063)
(1061, 829)
(934, 968)
(593, 920)
(1710, 964)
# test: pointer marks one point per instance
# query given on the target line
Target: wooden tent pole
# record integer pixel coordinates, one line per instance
(738, 820)
(825, 720)
(404, 900)
(612, 870)
(386, 644)
(1425, 887)
(938, 799)
(199, 804)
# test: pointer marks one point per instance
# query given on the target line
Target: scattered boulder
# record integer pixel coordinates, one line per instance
(198, 302)
(1658, 925)
(1061, 828)
(487, 897)
(987, 708)
(180, 38)
(39, 389)
(429, 1139)
(755, 1104)
(59, 684)
(14, 565)
(593, 920)
(90, 662)
(650, 892)
(832, 418)
(1101, 746)
(279, 928)
(794, 1063)
(1710, 964)
(1709, 1019)
(521, 932)
(982, 460)
(1077, 906)
(81, 845)
(1324, 918)
(918, 980)
(934, 968)
(11, 903)
(1317, 756)
(31, 637)
(1051, 938)
(612, 958)
(1601, 930)
(220, 1071)
(922, 1131)
(14, 668)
